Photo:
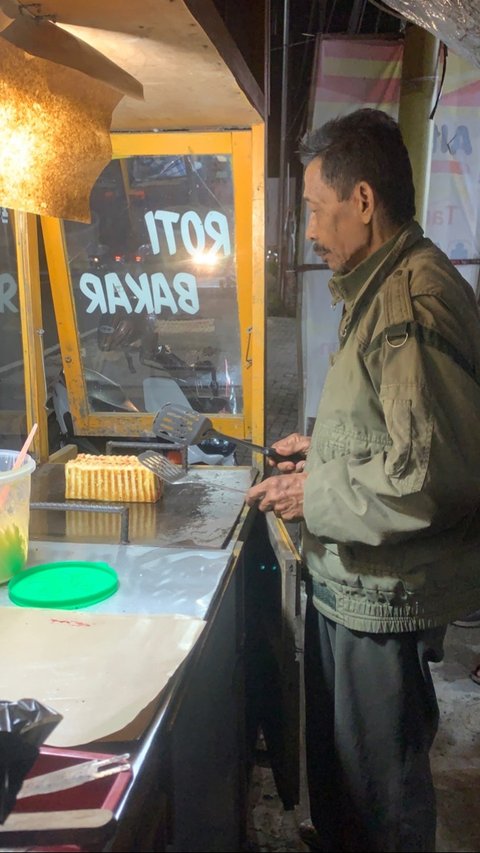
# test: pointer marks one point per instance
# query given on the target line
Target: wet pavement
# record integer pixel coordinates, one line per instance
(269, 826)
(282, 378)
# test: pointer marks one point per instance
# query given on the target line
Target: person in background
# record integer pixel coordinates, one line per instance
(475, 673)
(471, 620)
(388, 496)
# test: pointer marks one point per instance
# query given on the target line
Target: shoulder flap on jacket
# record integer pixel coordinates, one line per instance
(398, 308)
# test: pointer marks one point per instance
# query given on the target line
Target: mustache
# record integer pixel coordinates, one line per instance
(318, 248)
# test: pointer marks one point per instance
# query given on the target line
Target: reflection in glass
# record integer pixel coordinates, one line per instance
(12, 381)
(155, 285)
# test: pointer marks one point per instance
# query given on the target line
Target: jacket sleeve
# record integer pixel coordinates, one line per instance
(428, 476)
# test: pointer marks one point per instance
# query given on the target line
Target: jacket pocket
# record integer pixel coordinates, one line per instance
(410, 427)
(398, 416)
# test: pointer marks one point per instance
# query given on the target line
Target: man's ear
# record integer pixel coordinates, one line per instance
(365, 199)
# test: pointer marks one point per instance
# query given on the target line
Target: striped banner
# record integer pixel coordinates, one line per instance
(352, 73)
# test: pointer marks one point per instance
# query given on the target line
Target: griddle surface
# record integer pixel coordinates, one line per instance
(190, 515)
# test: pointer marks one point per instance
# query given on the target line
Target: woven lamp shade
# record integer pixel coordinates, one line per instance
(57, 96)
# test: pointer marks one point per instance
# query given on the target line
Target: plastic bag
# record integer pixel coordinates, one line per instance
(24, 726)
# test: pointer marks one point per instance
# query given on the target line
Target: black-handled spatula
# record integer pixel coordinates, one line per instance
(186, 426)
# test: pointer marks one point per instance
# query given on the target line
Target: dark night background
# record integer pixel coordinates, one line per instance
(277, 39)
(257, 26)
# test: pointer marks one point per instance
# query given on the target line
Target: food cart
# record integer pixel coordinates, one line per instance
(156, 296)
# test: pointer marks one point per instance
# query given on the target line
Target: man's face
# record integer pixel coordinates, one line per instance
(339, 229)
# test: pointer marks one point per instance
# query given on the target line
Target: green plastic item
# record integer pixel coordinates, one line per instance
(65, 586)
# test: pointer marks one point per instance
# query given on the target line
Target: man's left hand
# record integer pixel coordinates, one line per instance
(281, 494)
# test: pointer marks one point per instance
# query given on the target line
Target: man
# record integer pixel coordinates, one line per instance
(389, 494)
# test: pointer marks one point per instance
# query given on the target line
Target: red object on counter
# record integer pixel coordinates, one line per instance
(103, 793)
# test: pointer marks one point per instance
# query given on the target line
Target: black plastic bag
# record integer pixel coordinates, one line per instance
(24, 726)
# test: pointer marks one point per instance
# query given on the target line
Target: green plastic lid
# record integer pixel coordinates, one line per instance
(66, 586)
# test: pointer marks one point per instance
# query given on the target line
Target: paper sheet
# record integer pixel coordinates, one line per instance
(100, 671)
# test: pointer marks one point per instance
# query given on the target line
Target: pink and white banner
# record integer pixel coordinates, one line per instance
(352, 73)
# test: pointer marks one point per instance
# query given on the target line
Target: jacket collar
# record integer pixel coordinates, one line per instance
(351, 286)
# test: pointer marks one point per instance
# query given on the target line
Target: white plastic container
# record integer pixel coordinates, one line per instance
(14, 513)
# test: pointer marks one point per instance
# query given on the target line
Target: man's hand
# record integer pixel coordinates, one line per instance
(282, 493)
(293, 443)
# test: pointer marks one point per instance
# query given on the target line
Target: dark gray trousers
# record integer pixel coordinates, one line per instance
(371, 717)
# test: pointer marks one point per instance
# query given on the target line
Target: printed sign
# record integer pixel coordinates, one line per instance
(206, 240)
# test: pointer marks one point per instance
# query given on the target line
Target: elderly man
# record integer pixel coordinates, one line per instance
(388, 496)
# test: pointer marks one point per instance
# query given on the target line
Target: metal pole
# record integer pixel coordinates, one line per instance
(356, 16)
(283, 153)
(417, 94)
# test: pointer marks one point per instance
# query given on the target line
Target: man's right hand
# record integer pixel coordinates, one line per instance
(293, 443)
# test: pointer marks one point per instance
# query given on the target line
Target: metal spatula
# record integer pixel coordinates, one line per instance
(187, 427)
(173, 473)
(77, 774)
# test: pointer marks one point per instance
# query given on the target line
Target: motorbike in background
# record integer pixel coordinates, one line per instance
(198, 381)
(104, 395)
(166, 378)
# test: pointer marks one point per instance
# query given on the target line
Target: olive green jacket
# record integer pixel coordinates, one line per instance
(392, 497)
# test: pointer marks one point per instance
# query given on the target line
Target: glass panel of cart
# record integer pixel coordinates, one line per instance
(155, 286)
